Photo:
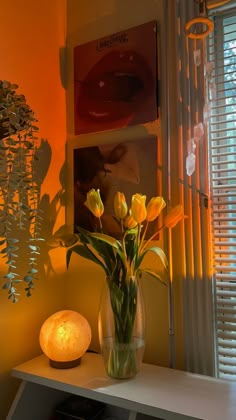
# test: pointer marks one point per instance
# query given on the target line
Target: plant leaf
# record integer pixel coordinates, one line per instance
(10, 275)
(28, 278)
(33, 271)
(84, 252)
(158, 251)
(105, 251)
(7, 285)
(105, 238)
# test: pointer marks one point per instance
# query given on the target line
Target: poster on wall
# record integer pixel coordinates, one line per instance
(129, 167)
(115, 80)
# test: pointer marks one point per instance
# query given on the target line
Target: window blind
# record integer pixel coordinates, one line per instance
(222, 164)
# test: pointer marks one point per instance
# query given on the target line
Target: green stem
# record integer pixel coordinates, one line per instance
(143, 236)
(151, 238)
(100, 223)
(122, 361)
(122, 225)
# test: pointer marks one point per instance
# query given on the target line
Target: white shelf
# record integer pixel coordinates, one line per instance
(156, 391)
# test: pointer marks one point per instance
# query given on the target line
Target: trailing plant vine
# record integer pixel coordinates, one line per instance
(19, 188)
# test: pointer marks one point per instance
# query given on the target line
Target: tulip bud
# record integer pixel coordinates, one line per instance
(174, 216)
(154, 208)
(94, 203)
(138, 208)
(129, 222)
(120, 205)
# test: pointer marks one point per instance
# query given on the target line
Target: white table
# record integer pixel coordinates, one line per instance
(160, 392)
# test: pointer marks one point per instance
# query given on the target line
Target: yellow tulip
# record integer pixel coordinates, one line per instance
(120, 205)
(129, 222)
(154, 208)
(138, 207)
(174, 216)
(94, 203)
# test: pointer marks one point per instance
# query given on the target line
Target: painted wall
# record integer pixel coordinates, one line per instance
(87, 22)
(31, 34)
(32, 42)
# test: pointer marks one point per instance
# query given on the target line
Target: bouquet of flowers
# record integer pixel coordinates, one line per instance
(121, 259)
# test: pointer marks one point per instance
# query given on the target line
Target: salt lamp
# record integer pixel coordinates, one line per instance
(64, 338)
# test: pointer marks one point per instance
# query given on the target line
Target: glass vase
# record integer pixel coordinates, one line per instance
(121, 327)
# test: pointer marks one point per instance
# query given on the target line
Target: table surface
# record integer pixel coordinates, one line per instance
(157, 391)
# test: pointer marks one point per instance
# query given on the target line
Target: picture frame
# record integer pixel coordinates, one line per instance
(115, 82)
(125, 165)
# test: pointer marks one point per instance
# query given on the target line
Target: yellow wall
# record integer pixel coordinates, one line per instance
(86, 22)
(31, 34)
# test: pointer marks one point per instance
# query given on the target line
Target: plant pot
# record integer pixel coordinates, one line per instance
(121, 327)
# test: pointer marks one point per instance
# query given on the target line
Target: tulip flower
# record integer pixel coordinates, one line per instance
(94, 203)
(154, 208)
(129, 222)
(138, 207)
(120, 205)
(121, 257)
(174, 216)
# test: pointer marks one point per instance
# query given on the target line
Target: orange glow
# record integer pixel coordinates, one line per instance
(65, 336)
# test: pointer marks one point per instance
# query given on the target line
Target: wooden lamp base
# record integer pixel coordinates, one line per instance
(65, 365)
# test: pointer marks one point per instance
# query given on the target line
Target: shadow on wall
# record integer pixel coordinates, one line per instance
(50, 210)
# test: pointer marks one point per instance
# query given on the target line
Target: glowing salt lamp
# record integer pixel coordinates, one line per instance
(64, 338)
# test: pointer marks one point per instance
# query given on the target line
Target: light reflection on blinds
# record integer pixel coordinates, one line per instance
(222, 162)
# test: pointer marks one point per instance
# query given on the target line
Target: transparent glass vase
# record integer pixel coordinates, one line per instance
(121, 327)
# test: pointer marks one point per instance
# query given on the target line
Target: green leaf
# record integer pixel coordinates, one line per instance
(105, 251)
(132, 231)
(158, 251)
(152, 274)
(33, 271)
(12, 248)
(28, 279)
(34, 247)
(84, 252)
(7, 285)
(10, 262)
(105, 238)
(10, 275)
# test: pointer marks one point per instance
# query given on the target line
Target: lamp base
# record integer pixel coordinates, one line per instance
(64, 365)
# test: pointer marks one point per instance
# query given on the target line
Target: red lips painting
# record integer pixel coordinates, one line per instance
(115, 80)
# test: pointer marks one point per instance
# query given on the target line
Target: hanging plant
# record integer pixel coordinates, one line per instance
(19, 188)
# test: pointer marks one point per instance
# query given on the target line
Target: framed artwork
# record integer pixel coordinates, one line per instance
(129, 167)
(115, 80)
